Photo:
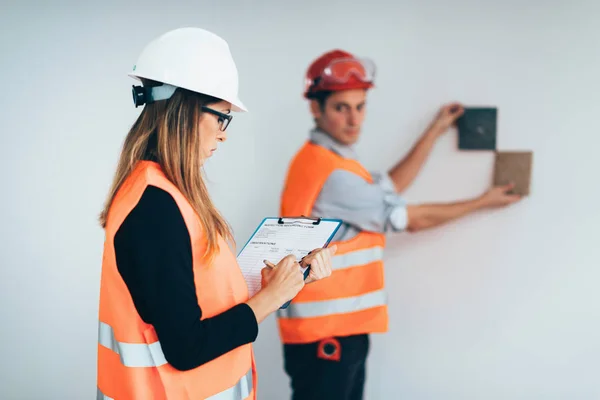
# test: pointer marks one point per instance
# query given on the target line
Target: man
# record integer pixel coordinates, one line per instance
(325, 329)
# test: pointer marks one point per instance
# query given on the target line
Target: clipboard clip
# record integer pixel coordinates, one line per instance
(298, 220)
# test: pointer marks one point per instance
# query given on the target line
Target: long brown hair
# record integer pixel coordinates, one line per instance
(169, 130)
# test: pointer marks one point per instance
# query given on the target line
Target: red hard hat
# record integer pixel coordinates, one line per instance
(338, 70)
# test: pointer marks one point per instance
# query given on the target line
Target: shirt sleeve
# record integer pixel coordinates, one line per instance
(374, 207)
(154, 257)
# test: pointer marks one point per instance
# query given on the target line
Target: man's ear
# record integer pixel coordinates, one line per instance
(315, 109)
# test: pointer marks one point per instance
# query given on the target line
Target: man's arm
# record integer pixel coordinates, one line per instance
(405, 172)
(426, 216)
(373, 207)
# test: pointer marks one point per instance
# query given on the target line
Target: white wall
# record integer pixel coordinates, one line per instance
(501, 305)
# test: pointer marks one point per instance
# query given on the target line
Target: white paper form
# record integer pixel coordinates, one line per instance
(272, 241)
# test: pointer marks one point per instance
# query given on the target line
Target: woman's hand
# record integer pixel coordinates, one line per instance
(284, 280)
(319, 261)
(280, 283)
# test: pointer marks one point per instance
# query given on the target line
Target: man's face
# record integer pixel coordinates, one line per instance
(342, 115)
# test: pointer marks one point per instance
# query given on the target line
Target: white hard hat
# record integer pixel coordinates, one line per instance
(193, 59)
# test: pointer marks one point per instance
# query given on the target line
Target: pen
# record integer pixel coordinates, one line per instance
(269, 264)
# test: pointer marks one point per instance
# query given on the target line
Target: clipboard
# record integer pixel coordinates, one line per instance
(276, 237)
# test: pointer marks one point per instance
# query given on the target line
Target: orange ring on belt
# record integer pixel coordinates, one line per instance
(329, 349)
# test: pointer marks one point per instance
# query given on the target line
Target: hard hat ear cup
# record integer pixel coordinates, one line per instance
(139, 95)
(146, 95)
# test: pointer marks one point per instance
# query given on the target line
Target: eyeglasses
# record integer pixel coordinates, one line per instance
(223, 119)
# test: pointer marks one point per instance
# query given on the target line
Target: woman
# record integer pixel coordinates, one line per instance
(175, 318)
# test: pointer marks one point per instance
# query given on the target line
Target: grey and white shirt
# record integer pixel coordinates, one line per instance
(363, 206)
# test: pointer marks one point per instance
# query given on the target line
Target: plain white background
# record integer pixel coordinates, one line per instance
(500, 305)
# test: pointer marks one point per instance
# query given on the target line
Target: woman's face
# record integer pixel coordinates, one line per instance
(210, 129)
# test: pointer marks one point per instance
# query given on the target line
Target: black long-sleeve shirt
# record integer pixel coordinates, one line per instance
(154, 257)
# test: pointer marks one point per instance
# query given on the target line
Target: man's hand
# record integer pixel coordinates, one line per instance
(446, 117)
(499, 196)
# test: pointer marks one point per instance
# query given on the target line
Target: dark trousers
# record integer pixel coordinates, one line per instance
(315, 378)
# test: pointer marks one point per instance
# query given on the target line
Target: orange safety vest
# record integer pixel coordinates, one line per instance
(131, 364)
(352, 300)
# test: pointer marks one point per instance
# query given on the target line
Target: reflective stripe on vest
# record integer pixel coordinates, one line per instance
(337, 306)
(131, 354)
(356, 258)
(239, 391)
(151, 355)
